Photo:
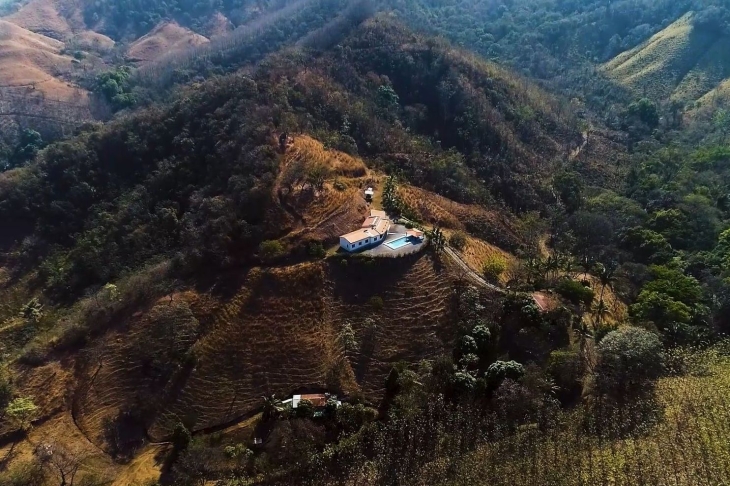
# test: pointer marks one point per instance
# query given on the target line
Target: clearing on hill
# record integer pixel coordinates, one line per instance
(682, 63)
(33, 67)
(58, 19)
(322, 213)
(167, 37)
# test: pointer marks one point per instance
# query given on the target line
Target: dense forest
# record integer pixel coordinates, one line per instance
(588, 347)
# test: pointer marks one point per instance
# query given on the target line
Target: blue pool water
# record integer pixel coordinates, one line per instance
(399, 243)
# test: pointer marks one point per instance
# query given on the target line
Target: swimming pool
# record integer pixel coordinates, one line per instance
(399, 243)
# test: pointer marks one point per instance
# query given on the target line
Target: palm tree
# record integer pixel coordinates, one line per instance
(584, 336)
(437, 239)
(587, 263)
(600, 311)
(606, 277)
(272, 408)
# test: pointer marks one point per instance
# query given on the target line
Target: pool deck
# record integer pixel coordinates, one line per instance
(396, 231)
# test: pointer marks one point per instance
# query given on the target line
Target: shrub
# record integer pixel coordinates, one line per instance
(316, 250)
(6, 389)
(575, 292)
(630, 360)
(33, 356)
(566, 368)
(271, 249)
(502, 370)
(458, 240)
(21, 412)
(305, 409)
(339, 185)
(468, 345)
(494, 267)
(376, 303)
(409, 225)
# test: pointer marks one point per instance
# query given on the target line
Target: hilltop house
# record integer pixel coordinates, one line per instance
(372, 232)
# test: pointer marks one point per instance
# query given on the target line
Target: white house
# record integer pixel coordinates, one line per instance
(373, 232)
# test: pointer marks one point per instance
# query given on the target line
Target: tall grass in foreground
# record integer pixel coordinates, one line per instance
(680, 438)
(689, 445)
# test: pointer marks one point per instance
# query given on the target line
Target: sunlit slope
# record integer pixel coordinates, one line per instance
(681, 62)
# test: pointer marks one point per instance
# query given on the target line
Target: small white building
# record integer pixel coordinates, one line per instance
(373, 232)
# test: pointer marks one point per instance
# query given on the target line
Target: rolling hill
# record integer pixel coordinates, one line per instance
(184, 260)
(684, 62)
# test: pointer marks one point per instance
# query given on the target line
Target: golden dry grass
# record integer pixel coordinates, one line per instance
(112, 380)
(476, 252)
(678, 62)
(313, 152)
(328, 213)
(33, 65)
(167, 37)
(44, 17)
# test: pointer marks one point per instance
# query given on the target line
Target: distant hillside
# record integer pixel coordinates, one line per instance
(685, 62)
(164, 39)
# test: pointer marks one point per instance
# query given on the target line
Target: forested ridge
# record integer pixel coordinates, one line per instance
(160, 271)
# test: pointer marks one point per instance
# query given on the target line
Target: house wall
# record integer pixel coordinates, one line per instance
(359, 245)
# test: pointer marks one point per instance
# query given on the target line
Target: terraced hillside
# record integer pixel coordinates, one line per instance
(684, 62)
(399, 310)
(278, 333)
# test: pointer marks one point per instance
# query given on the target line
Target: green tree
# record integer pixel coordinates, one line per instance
(348, 338)
(493, 268)
(630, 360)
(21, 412)
(436, 239)
(272, 408)
(503, 370)
(271, 249)
(32, 311)
(458, 240)
(672, 301)
(646, 111)
(569, 187)
(28, 146)
(317, 175)
(647, 246)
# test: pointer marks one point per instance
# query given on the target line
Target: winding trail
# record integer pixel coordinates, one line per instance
(475, 277)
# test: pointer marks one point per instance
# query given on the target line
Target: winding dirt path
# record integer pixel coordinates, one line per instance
(471, 273)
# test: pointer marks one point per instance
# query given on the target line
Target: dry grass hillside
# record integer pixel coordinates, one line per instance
(681, 63)
(329, 211)
(276, 333)
(37, 85)
(167, 37)
(58, 19)
(496, 226)
(33, 63)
